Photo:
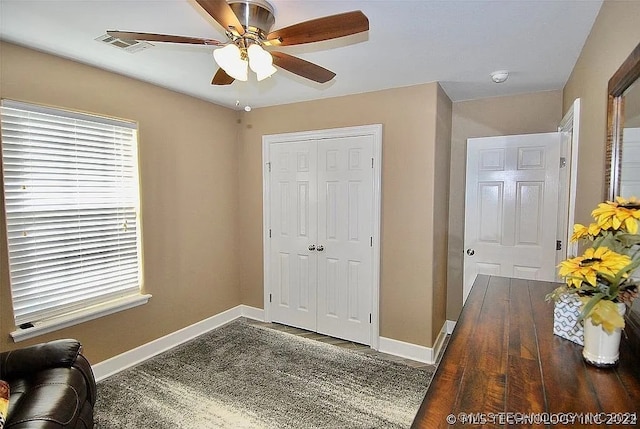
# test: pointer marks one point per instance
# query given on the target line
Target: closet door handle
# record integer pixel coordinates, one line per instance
(320, 248)
(312, 247)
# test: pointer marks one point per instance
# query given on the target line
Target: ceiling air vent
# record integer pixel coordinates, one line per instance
(131, 46)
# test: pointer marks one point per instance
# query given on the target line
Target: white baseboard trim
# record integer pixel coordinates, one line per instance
(451, 324)
(406, 350)
(413, 351)
(439, 343)
(133, 357)
(252, 312)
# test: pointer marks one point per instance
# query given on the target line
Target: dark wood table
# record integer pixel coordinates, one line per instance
(503, 367)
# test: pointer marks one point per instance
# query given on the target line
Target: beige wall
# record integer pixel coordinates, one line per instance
(520, 114)
(441, 185)
(188, 157)
(410, 244)
(615, 33)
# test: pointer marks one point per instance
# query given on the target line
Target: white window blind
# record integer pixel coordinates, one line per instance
(71, 200)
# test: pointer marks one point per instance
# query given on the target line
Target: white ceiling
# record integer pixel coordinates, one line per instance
(458, 43)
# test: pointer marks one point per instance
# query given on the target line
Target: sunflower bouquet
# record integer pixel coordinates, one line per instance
(603, 275)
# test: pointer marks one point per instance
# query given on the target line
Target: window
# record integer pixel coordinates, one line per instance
(72, 211)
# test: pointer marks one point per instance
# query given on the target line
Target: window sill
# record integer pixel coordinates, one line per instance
(78, 317)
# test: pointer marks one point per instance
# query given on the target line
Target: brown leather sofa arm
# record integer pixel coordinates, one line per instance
(54, 354)
(83, 365)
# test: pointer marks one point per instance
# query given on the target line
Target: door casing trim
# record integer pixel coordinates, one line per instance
(571, 123)
(374, 130)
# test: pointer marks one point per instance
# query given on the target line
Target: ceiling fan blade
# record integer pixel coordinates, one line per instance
(223, 14)
(222, 78)
(302, 67)
(152, 37)
(329, 27)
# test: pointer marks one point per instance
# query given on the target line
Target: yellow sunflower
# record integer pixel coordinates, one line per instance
(616, 214)
(579, 231)
(593, 230)
(586, 268)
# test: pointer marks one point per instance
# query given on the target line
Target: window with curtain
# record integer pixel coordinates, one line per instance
(72, 210)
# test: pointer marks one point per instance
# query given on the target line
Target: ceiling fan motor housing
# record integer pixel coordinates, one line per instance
(256, 16)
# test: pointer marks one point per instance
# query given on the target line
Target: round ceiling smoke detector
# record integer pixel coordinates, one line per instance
(499, 76)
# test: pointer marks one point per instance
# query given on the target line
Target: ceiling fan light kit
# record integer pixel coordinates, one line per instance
(234, 61)
(230, 59)
(261, 62)
(247, 25)
(256, 17)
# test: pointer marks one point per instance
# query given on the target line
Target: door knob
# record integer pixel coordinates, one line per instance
(320, 248)
(312, 247)
(471, 252)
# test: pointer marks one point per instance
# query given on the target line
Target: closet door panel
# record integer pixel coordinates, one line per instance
(345, 208)
(294, 229)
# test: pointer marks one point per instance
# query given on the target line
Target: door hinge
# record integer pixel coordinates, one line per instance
(371, 241)
(369, 317)
(269, 166)
(563, 162)
(270, 297)
(269, 232)
(371, 162)
(558, 244)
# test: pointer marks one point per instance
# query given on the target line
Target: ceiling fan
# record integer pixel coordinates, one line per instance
(247, 24)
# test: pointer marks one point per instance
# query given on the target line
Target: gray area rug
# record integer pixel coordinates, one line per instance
(246, 376)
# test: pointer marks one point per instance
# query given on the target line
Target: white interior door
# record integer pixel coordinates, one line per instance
(294, 233)
(322, 195)
(344, 249)
(511, 207)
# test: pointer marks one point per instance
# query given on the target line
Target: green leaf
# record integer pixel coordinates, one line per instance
(628, 240)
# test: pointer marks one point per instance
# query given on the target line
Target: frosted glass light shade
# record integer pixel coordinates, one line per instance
(260, 62)
(230, 59)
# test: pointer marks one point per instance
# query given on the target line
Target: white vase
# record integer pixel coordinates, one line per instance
(601, 348)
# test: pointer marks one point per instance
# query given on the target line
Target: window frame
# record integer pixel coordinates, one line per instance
(112, 300)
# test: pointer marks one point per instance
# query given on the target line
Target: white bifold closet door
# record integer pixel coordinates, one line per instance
(321, 211)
